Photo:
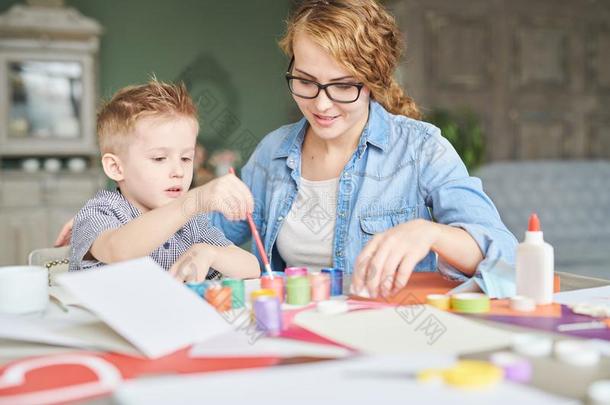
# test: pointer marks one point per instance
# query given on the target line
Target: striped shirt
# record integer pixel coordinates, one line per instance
(110, 210)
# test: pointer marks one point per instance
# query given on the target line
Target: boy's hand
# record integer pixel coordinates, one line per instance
(194, 264)
(65, 234)
(226, 194)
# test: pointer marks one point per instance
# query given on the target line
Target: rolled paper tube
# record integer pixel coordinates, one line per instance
(440, 301)
(470, 303)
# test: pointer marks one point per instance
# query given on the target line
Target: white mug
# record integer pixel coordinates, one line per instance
(23, 289)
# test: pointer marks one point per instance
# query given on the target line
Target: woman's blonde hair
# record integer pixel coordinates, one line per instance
(363, 37)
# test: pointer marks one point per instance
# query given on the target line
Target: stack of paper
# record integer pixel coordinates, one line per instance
(139, 309)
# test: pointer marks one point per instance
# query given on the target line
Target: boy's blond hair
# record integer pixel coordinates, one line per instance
(117, 117)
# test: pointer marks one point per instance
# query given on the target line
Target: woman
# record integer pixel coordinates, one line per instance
(360, 183)
(357, 182)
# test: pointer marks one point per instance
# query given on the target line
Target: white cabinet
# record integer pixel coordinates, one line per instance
(48, 91)
(33, 208)
(22, 230)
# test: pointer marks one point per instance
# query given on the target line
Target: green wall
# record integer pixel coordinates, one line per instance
(226, 51)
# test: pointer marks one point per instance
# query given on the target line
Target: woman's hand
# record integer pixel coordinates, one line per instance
(387, 261)
(65, 234)
(194, 264)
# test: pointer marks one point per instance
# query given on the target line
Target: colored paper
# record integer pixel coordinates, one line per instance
(550, 324)
(403, 330)
(363, 380)
(83, 375)
(422, 284)
(241, 344)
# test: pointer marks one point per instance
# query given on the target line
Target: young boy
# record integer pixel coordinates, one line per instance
(147, 138)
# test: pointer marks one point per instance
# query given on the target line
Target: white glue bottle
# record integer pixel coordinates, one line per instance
(535, 265)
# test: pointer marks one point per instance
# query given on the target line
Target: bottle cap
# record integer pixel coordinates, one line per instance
(534, 223)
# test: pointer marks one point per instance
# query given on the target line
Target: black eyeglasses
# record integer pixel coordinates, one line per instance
(309, 89)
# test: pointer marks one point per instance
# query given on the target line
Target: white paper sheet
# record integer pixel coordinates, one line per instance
(63, 297)
(377, 380)
(145, 305)
(597, 295)
(70, 331)
(410, 329)
(240, 344)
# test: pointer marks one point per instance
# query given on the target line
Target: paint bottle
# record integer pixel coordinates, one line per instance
(268, 315)
(535, 265)
(336, 280)
(298, 290)
(238, 297)
(276, 283)
(320, 286)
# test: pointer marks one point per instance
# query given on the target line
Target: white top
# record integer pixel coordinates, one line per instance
(306, 236)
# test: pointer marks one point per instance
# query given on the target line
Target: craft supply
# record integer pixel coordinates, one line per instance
(466, 374)
(23, 289)
(597, 310)
(599, 392)
(473, 374)
(261, 293)
(238, 294)
(295, 271)
(276, 284)
(268, 315)
(532, 345)
(470, 303)
(115, 295)
(516, 368)
(257, 239)
(336, 280)
(298, 291)
(535, 265)
(440, 301)
(199, 288)
(320, 286)
(576, 353)
(332, 307)
(219, 297)
(568, 327)
(522, 304)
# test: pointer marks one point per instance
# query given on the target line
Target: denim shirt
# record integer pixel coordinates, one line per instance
(402, 169)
